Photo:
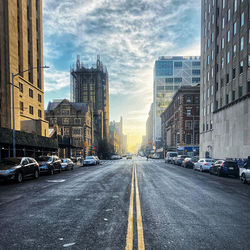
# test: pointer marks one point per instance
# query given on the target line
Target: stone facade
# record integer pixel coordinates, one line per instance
(21, 48)
(91, 85)
(73, 120)
(180, 121)
(225, 81)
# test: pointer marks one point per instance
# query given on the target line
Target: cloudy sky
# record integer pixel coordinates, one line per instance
(129, 35)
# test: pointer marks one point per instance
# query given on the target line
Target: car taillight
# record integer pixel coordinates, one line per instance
(205, 164)
(222, 164)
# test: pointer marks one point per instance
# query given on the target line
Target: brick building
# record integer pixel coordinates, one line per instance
(73, 120)
(180, 120)
(21, 48)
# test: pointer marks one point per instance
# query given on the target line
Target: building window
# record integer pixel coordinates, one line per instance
(188, 139)
(233, 73)
(53, 121)
(212, 37)
(223, 3)
(240, 91)
(212, 55)
(66, 131)
(178, 64)
(169, 80)
(39, 98)
(196, 80)
(222, 43)
(233, 95)
(241, 67)
(77, 121)
(213, 19)
(188, 112)
(228, 15)
(212, 90)
(208, 59)
(203, 127)
(40, 113)
(242, 19)
(228, 57)
(31, 93)
(248, 87)
(227, 99)
(222, 62)
(188, 125)
(228, 36)
(235, 28)
(65, 121)
(211, 125)
(241, 43)
(234, 50)
(65, 111)
(248, 64)
(21, 87)
(196, 64)
(249, 33)
(196, 72)
(227, 78)
(31, 110)
(188, 99)
(196, 99)
(21, 106)
(235, 5)
(216, 86)
(207, 127)
(223, 23)
(197, 110)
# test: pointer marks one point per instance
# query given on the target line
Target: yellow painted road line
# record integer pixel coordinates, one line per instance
(129, 239)
(141, 245)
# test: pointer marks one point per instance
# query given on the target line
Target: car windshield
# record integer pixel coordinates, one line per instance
(173, 154)
(44, 158)
(89, 158)
(65, 160)
(209, 161)
(10, 162)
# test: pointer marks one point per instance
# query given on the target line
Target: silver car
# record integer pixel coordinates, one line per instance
(203, 164)
(245, 175)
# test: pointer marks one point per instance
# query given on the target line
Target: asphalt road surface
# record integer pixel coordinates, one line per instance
(126, 204)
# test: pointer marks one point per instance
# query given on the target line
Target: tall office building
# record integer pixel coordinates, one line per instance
(225, 81)
(21, 48)
(170, 73)
(91, 85)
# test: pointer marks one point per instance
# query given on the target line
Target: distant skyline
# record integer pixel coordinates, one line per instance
(129, 36)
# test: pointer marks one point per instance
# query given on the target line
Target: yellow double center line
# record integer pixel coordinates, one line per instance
(129, 239)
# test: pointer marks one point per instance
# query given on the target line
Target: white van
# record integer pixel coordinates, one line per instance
(170, 156)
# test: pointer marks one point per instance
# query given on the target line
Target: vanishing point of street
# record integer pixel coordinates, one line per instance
(132, 204)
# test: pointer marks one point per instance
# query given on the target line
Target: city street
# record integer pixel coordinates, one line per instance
(96, 207)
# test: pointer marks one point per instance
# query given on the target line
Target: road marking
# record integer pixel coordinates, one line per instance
(56, 181)
(129, 239)
(140, 237)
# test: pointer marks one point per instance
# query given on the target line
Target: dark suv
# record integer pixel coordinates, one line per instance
(18, 168)
(49, 164)
(222, 168)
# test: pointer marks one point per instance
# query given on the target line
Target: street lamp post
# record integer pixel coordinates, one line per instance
(13, 104)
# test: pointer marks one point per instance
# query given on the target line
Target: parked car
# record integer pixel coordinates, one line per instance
(179, 159)
(129, 157)
(170, 156)
(49, 164)
(67, 164)
(221, 167)
(18, 168)
(187, 163)
(245, 175)
(89, 160)
(173, 160)
(97, 160)
(203, 164)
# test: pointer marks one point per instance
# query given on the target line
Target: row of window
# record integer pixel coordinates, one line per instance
(65, 121)
(206, 126)
(234, 49)
(21, 89)
(31, 110)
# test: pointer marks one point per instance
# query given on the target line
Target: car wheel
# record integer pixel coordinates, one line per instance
(219, 173)
(51, 171)
(72, 168)
(243, 178)
(36, 174)
(60, 169)
(201, 169)
(19, 177)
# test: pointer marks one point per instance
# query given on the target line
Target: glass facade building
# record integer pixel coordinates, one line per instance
(170, 73)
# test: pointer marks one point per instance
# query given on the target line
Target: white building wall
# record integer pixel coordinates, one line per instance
(230, 137)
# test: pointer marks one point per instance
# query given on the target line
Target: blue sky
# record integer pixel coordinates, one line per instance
(129, 36)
